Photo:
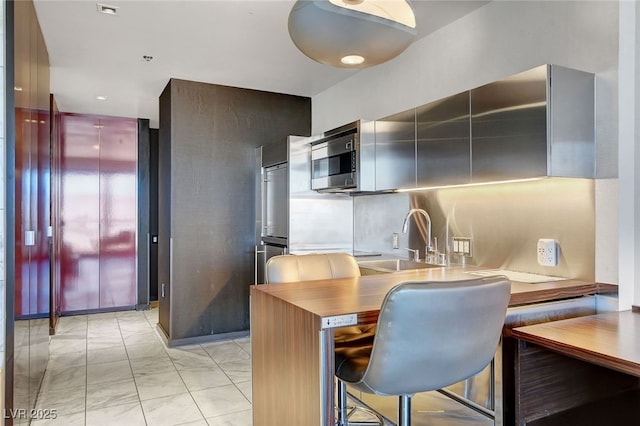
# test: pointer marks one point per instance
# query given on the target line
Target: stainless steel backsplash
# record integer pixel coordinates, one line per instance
(504, 222)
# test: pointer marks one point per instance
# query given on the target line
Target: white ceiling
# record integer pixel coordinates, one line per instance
(239, 43)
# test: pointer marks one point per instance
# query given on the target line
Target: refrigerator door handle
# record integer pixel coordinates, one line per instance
(255, 263)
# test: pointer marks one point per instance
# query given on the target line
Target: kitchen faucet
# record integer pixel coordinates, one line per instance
(405, 226)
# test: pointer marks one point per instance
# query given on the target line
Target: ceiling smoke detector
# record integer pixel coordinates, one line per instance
(107, 10)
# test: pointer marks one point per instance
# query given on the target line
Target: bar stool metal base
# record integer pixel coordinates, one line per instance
(344, 412)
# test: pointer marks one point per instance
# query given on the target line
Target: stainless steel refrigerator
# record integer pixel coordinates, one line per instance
(272, 206)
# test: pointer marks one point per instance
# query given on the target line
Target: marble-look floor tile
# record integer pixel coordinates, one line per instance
(239, 371)
(245, 343)
(97, 343)
(243, 418)
(105, 323)
(159, 385)
(108, 372)
(97, 334)
(203, 378)
(76, 419)
(128, 414)
(64, 344)
(72, 326)
(67, 359)
(171, 410)
(151, 365)
(246, 389)
(190, 358)
(130, 314)
(71, 377)
(214, 402)
(147, 337)
(145, 350)
(65, 402)
(101, 395)
(104, 316)
(223, 352)
(103, 332)
(110, 354)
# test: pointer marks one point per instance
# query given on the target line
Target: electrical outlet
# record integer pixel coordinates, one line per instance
(547, 252)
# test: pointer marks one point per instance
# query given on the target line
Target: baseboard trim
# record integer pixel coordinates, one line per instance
(198, 340)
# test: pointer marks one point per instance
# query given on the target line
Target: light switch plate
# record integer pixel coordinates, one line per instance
(462, 246)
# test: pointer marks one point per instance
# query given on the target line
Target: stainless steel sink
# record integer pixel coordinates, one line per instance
(393, 265)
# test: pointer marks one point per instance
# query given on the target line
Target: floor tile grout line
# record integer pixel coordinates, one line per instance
(135, 383)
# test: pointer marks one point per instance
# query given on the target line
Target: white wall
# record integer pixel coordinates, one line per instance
(495, 41)
(629, 155)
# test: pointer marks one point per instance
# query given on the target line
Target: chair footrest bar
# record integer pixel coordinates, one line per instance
(468, 403)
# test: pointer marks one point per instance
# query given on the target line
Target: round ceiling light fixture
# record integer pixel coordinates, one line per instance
(352, 33)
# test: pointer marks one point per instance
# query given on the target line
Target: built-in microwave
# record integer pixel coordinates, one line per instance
(334, 159)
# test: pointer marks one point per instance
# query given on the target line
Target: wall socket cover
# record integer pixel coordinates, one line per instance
(547, 252)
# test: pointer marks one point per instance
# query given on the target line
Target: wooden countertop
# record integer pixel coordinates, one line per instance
(365, 294)
(609, 339)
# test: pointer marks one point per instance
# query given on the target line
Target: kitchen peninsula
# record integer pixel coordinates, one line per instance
(292, 353)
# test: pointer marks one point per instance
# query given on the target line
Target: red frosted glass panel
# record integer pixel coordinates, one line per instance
(118, 211)
(41, 259)
(23, 211)
(97, 208)
(32, 212)
(79, 213)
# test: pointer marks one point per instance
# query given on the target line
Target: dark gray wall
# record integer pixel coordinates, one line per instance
(143, 214)
(214, 131)
(164, 210)
(153, 214)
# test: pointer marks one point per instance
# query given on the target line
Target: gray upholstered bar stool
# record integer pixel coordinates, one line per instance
(293, 268)
(322, 266)
(430, 335)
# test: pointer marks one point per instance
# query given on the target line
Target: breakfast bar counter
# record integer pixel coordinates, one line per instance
(292, 334)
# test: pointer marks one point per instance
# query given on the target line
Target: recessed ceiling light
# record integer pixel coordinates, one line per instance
(107, 10)
(101, 98)
(352, 60)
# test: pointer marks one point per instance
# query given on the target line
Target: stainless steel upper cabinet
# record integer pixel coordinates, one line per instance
(395, 151)
(443, 142)
(534, 124)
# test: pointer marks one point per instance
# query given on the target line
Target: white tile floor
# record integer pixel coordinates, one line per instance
(113, 369)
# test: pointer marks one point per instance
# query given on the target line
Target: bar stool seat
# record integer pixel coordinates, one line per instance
(430, 335)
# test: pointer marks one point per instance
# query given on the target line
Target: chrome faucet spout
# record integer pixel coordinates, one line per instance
(405, 226)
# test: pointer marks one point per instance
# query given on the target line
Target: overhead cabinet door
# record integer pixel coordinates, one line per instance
(509, 128)
(534, 124)
(396, 151)
(443, 142)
